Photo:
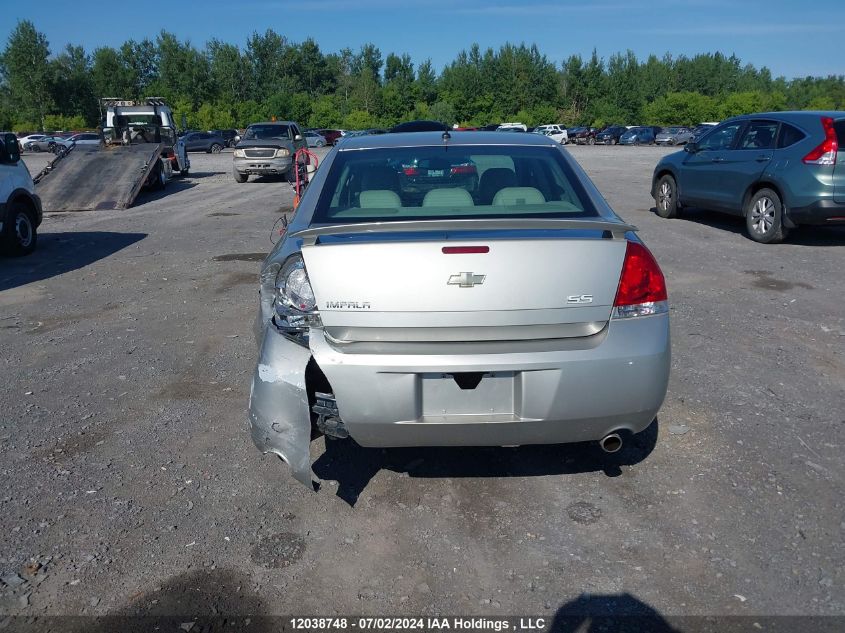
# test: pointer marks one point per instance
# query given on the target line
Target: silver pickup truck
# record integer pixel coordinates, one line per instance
(267, 149)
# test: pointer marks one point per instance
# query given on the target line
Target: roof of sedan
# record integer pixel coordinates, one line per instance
(414, 139)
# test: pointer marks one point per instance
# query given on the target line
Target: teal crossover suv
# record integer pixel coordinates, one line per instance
(778, 170)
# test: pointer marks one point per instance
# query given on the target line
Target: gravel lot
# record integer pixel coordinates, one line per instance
(129, 483)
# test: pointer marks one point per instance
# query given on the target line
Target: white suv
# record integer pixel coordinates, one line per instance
(20, 206)
(555, 132)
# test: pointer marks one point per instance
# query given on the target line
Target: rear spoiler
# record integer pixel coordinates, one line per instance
(611, 228)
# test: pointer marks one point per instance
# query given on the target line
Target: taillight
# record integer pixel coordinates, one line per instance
(642, 288)
(410, 170)
(824, 154)
(463, 169)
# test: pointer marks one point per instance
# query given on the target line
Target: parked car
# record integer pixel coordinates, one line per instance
(674, 135)
(778, 170)
(24, 140)
(204, 142)
(700, 129)
(230, 136)
(315, 140)
(420, 126)
(553, 131)
(20, 206)
(331, 136)
(611, 135)
(637, 136)
(510, 127)
(446, 321)
(55, 144)
(419, 176)
(267, 149)
(582, 135)
(85, 138)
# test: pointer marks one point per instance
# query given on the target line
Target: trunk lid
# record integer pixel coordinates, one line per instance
(530, 284)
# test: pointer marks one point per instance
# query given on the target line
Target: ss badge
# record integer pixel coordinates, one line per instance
(579, 299)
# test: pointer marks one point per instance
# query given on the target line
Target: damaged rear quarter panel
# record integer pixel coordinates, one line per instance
(279, 415)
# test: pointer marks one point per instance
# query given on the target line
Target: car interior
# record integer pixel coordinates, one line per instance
(462, 184)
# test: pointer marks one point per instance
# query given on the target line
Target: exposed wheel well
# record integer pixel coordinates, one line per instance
(753, 189)
(24, 200)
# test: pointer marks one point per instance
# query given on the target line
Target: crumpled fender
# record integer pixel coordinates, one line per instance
(279, 415)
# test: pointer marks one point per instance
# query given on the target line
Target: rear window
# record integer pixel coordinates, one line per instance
(839, 128)
(789, 135)
(418, 183)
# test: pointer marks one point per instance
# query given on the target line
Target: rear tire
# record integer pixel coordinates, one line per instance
(159, 178)
(764, 217)
(239, 177)
(19, 233)
(215, 148)
(591, 141)
(666, 197)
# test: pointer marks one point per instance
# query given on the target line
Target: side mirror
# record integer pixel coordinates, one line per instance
(691, 147)
(11, 152)
(298, 137)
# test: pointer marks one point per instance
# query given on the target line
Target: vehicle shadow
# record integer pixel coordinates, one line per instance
(198, 174)
(61, 252)
(609, 613)
(802, 236)
(175, 185)
(199, 601)
(353, 466)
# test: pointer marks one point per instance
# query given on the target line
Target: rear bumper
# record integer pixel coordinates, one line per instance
(827, 212)
(549, 397)
(582, 391)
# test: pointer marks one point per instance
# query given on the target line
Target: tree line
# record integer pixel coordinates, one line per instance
(222, 85)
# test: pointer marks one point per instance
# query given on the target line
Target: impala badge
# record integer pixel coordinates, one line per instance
(466, 280)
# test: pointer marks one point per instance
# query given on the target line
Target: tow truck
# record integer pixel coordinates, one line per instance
(139, 147)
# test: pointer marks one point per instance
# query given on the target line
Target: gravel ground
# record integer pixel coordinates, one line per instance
(129, 484)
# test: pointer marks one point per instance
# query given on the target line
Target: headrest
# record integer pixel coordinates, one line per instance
(379, 199)
(512, 196)
(448, 198)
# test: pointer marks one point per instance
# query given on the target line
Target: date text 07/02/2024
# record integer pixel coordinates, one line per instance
(418, 624)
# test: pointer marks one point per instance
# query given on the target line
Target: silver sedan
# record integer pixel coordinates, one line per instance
(674, 136)
(456, 290)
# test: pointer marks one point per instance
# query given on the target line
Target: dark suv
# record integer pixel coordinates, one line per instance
(611, 135)
(777, 170)
(231, 137)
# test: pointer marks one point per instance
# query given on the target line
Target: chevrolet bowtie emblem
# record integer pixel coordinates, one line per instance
(466, 280)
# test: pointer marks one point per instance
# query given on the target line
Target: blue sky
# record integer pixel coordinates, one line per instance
(791, 37)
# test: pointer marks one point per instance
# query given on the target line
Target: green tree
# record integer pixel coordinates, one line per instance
(73, 86)
(359, 120)
(27, 72)
(684, 108)
(325, 112)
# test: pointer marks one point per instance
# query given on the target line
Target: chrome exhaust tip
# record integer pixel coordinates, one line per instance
(611, 443)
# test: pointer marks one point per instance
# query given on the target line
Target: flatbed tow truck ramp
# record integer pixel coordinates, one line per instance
(97, 178)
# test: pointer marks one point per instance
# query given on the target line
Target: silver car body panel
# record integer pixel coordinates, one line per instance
(279, 416)
(554, 365)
